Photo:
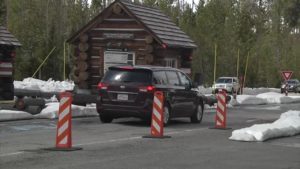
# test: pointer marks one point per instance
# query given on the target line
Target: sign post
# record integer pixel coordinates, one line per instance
(286, 75)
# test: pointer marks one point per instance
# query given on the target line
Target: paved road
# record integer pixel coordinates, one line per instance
(119, 145)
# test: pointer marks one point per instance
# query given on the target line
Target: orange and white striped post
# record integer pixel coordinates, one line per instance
(64, 124)
(220, 118)
(157, 121)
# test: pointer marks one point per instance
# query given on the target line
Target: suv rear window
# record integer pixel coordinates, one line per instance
(224, 80)
(127, 76)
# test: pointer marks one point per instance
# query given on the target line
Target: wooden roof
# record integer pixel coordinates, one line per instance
(154, 21)
(6, 38)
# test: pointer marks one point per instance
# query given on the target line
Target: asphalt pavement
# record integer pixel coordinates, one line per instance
(120, 145)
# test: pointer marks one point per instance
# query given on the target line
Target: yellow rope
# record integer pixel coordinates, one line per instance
(43, 62)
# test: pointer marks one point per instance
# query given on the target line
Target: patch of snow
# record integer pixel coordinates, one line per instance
(250, 100)
(52, 99)
(14, 115)
(246, 91)
(44, 86)
(277, 98)
(51, 111)
(287, 125)
(264, 98)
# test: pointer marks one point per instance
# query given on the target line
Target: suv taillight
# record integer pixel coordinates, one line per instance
(102, 86)
(147, 89)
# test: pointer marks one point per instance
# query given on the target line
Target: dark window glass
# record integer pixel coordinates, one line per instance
(130, 57)
(160, 77)
(127, 76)
(130, 63)
(184, 79)
(292, 81)
(224, 80)
(172, 78)
(5, 55)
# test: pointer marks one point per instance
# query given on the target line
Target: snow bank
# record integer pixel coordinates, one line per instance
(278, 98)
(250, 100)
(44, 86)
(247, 91)
(14, 115)
(287, 125)
(51, 111)
(264, 98)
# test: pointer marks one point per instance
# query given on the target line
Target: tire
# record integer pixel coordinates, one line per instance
(198, 115)
(166, 115)
(105, 118)
(20, 104)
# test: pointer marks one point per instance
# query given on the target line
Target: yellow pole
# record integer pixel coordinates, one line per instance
(238, 64)
(43, 62)
(246, 70)
(64, 61)
(215, 64)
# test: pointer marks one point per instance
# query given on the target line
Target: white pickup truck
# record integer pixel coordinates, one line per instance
(230, 84)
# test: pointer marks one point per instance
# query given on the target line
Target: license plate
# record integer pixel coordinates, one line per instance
(122, 97)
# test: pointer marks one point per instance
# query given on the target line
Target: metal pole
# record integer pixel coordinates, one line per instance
(215, 64)
(64, 72)
(286, 88)
(43, 62)
(246, 70)
(238, 64)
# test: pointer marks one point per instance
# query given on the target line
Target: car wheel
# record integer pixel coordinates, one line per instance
(105, 118)
(198, 115)
(166, 115)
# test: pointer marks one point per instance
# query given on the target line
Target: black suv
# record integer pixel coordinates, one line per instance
(127, 91)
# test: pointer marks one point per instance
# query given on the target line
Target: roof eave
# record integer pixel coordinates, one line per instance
(142, 23)
(87, 26)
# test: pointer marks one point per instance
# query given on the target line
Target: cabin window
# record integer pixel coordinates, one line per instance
(114, 58)
(170, 62)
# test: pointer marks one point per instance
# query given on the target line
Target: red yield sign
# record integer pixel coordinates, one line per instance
(286, 74)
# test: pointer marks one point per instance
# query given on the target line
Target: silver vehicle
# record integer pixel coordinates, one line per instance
(293, 85)
(230, 84)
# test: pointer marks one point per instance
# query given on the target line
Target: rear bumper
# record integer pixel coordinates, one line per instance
(118, 111)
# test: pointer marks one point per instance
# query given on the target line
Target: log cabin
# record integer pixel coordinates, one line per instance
(8, 44)
(131, 34)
